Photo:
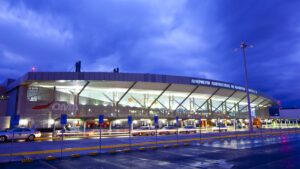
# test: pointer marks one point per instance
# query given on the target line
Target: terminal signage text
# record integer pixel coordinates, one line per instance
(64, 107)
(221, 84)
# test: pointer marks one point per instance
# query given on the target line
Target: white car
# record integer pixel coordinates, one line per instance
(145, 130)
(19, 133)
(219, 128)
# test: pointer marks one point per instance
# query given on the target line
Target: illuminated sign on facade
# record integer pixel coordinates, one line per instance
(221, 84)
(64, 107)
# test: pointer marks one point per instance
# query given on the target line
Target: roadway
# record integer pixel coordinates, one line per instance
(271, 152)
(86, 146)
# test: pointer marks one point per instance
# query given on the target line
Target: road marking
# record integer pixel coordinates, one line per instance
(47, 164)
(136, 144)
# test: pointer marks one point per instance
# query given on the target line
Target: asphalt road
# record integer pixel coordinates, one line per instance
(21, 147)
(274, 152)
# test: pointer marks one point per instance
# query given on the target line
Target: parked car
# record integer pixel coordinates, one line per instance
(168, 130)
(188, 129)
(220, 128)
(19, 133)
(145, 130)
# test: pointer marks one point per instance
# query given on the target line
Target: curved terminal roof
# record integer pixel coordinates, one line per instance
(187, 86)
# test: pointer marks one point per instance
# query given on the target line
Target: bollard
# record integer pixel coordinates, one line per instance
(127, 150)
(51, 158)
(142, 148)
(166, 146)
(28, 160)
(153, 147)
(75, 155)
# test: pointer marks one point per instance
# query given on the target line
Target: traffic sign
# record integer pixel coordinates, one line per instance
(200, 122)
(63, 119)
(129, 119)
(14, 120)
(156, 119)
(101, 119)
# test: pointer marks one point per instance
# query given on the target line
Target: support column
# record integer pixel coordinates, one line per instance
(210, 105)
(110, 122)
(84, 127)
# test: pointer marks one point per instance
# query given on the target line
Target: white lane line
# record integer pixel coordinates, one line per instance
(47, 164)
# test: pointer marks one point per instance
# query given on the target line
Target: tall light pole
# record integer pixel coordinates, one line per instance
(244, 46)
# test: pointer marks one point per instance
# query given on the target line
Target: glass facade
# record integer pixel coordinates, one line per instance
(42, 102)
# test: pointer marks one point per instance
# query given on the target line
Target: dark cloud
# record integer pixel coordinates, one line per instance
(189, 38)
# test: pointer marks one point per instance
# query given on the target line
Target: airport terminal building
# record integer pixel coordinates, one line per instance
(41, 97)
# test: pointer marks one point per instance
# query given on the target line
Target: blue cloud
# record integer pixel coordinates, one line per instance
(189, 38)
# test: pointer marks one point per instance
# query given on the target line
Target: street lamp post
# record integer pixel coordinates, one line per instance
(244, 46)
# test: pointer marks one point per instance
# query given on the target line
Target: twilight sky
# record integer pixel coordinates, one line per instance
(178, 37)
